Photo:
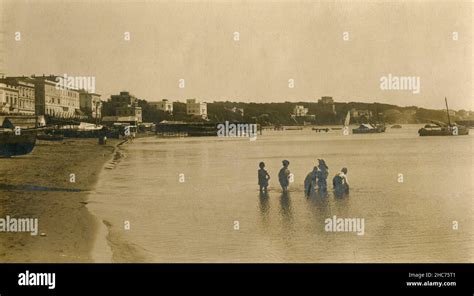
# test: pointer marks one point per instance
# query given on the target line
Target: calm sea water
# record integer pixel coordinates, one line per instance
(194, 221)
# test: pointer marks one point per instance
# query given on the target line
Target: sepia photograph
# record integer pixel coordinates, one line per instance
(236, 132)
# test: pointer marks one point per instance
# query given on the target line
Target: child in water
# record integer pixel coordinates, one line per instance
(340, 183)
(284, 176)
(263, 177)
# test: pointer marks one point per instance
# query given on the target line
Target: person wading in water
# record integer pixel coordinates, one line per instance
(263, 177)
(284, 176)
(322, 176)
(310, 181)
(340, 183)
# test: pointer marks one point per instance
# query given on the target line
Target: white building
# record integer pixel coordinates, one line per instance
(90, 104)
(300, 110)
(196, 108)
(163, 105)
(55, 101)
(8, 98)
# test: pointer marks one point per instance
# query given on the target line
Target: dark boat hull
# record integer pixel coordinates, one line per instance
(15, 145)
(442, 132)
(376, 130)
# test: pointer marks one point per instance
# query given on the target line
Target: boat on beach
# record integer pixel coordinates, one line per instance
(18, 134)
(12, 144)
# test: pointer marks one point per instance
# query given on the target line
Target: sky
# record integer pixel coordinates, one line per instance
(286, 50)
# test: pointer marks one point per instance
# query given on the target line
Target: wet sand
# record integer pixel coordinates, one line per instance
(39, 185)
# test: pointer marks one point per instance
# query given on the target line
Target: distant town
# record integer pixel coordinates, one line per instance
(45, 95)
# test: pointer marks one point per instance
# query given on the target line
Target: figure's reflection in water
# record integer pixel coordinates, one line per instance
(341, 193)
(319, 202)
(285, 206)
(342, 203)
(319, 207)
(264, 204)
(322, 193)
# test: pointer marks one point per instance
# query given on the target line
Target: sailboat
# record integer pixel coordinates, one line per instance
(442, 129)
(347, 120)
(345, 126)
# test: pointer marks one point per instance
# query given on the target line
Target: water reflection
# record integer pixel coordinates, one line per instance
(323, 193)
(285, 206)
(264, 205)
(341, 204)
(320, 210)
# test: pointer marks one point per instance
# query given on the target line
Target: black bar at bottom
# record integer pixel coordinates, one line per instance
(295, 279)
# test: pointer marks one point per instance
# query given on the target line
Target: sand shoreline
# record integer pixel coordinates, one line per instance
(69, 229)
(102, 250)
(110, 245)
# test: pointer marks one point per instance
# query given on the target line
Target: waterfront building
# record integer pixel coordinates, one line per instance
(25, 105)
(55, 101)
(126, 105)
(8, 98)
(196, 108)
(90, 104)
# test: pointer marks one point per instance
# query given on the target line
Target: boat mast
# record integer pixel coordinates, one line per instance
(447, 110)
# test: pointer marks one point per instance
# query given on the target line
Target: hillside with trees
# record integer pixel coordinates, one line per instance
(280, 113)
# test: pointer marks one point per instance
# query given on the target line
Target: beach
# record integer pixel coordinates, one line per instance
(52, 184)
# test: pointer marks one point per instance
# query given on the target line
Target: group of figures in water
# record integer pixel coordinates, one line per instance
(316, 180)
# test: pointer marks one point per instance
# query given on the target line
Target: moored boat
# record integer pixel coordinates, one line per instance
(439, 128)
(12, 144)
(367, 128)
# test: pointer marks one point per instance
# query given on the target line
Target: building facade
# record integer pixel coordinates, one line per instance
(90, 104)
(25, 105)
(8, 98)
(326, 105)
(326, 100)
(125, 104)
(300, 110)
(196, 108)
(54, 101)
(164, 105)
